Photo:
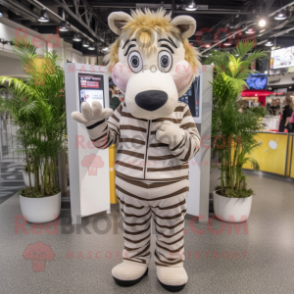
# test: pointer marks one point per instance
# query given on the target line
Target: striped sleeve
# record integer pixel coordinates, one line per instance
(190, 144)
(106, 133)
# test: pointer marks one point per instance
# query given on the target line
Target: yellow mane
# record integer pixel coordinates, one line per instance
(143, 24)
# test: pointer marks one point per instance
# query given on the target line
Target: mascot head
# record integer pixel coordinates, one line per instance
(152, 61)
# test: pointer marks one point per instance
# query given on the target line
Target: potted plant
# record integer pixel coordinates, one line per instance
(38, 108)
(233, 131)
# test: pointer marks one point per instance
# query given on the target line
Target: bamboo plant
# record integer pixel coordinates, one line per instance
(233, 129)
(38, 108)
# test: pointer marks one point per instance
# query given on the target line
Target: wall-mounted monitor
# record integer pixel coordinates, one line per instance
(91, 88)
(257, 81)
(282, 58)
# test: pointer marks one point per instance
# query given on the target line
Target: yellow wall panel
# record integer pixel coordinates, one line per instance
(290, 144)
(112, 154)
(271, 154)
(292, 159)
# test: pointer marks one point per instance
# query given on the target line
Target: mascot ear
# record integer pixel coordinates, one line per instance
(116, 20)
(186, 24)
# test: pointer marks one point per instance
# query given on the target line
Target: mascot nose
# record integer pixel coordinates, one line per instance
(151, 100)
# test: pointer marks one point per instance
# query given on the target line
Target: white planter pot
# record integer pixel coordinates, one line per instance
(41, 210)
(27, 180)
(233, 210)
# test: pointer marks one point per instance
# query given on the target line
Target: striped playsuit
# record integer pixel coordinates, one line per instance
(151, 180)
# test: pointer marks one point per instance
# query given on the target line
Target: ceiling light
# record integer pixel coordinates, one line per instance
(86, 44)
(261, 31)
(63, 27)
(191, 7)
(92, 47)
(269, 43)
(105, 49)
(250, 31)
(44, 16)
(281, 15)
(262, 23)
(77, 37)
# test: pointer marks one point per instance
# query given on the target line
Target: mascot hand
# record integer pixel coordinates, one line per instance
(91, 115)
(170, 133)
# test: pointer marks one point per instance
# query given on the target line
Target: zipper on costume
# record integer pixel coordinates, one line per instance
(147, 146)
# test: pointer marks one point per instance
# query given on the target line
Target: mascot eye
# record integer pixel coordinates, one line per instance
(164, 61)
(135, 61)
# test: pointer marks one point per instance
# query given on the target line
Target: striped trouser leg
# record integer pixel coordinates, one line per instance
(168, 204)
(136, 212)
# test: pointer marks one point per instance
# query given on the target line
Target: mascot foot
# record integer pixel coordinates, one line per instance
(129, 273)
(172, 279)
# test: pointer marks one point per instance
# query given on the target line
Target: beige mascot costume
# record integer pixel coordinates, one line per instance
(153, 64)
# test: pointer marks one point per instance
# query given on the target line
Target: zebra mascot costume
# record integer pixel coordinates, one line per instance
(153, 64)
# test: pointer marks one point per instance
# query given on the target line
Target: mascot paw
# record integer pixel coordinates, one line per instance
(91, 115)
(129, 273)
(170, 133)
(172, 278)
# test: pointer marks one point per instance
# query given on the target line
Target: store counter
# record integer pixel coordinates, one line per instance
(275, 154)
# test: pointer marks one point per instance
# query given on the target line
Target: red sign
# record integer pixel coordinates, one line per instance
(89, 84)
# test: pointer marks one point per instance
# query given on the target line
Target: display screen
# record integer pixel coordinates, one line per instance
(192, 97)
(91, 88)
(257, 81)
(282, 58)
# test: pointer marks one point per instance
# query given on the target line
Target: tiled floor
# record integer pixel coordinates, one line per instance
(218, 261)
